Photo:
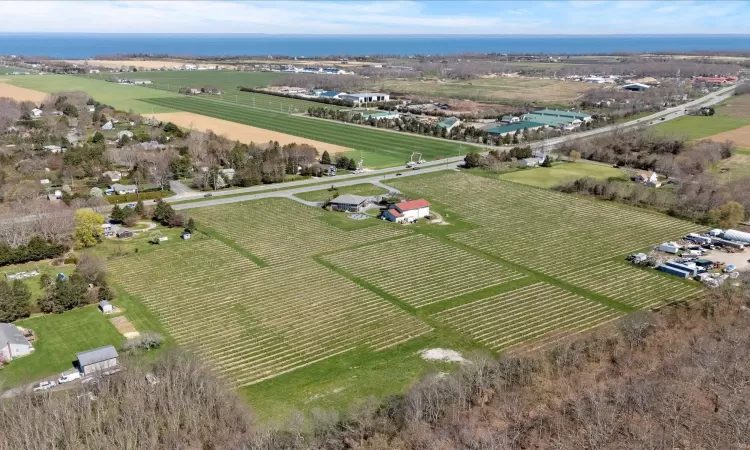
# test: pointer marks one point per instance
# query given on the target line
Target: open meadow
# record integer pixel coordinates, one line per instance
(379, 148)
(731, 114)
(510, 90)
(547, 177)
(282, 297)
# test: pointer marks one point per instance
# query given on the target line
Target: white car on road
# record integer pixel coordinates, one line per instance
(44, 385)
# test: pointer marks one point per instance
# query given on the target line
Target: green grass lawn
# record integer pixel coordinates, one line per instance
(122, 97)
(697, 127)
(379, 148)
(356, 189)
(559, 173)
(59, 338)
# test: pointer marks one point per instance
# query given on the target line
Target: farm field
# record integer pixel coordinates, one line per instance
(20, 94)
(59, 338)
(322, 195)
(496, 89)
(298, 299)
(379, 148)
(740, 136)
(242, 133)
(731, 114)
(547, 177)
(451, 271)
(735, 167)
(524, 314)
(120, 96)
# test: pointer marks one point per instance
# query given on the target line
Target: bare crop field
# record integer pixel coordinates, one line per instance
(497, 89)
(242, 133)
(21, 94)
(740, 136)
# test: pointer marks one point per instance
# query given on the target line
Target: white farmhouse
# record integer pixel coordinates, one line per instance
(12, 342)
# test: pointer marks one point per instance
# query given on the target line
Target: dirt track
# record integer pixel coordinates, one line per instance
(242, 133)
(740, 136)
(21, 94)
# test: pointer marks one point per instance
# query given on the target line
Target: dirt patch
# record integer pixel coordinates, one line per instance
(21, 94)
(242, 133)
(739, 260)
(124, 327)
(441, 354)
(740, 136)
(736, 106)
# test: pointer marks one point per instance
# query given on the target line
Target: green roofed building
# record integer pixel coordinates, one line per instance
(551, 121)
(510, 119)
(513, 127)
(380, 115)
(570, 114)
(448, 123)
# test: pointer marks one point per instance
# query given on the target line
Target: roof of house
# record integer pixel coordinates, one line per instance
(330, 94)
(104, 303)
(124, 187)
(349, 199)
(394, 213)
(10, 334)
(513, 127)
(96, 355)
(533, 160)
(412, 204)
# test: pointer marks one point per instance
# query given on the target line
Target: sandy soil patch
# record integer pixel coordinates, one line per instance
(740, 136)
(21, 94)
(441, 354)
(242, 133)
(124, 326)
(739, 260)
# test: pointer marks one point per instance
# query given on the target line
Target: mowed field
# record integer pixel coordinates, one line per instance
(242, 133)
(379, 148)
(282, 294)
(548, 177)
(496, 89)
(119, 96)
(731, 114)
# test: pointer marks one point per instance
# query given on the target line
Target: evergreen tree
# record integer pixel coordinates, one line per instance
(117, 214)
(325, 158)
(352, 164)
(190, 225)
(139, 209)
(14, 301)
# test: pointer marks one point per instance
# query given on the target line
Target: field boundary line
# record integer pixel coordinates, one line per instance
(210, 232)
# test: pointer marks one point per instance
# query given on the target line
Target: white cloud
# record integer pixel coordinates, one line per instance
(375, 17)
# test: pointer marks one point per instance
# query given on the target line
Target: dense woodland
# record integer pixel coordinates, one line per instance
(676, 378)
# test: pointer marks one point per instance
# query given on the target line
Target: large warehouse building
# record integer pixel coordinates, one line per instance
(366, 97)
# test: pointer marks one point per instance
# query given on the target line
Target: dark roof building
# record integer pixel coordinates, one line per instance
(349, 203)
(97, 360)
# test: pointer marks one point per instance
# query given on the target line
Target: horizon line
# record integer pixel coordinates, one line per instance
(379, 35)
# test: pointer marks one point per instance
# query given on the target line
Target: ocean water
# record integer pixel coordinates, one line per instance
(63, 45)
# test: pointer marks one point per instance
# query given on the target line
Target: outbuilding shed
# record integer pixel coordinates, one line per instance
(97, 360)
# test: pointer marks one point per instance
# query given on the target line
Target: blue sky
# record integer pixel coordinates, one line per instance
(380, 17)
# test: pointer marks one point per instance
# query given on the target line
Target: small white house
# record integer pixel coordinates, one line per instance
(530, 162)
(107, 126)
(123, 133)
(36, 112)
(12, 342)
(113, 175)
(647, 177)
(106, 307)
(121, 189)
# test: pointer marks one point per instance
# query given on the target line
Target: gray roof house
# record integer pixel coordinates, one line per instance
(12, 342)
(97, 360)
(349, 203)
(530, 162)
(124, 188)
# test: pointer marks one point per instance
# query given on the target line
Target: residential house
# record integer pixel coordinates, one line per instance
(408, 211)
(123, 133)
(13, 344)
(195, 91)
(113, 175)
(36, 112)
(97, 360)
(108, 126)
(227, 174)
(349, 203)
(121, 189)
(53, 148)
(647, 177)
(530, 162)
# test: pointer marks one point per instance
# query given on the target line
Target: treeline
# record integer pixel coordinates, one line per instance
(341, 83)
(682, 370)
(36, 249)
(639, 148)
(327, 101)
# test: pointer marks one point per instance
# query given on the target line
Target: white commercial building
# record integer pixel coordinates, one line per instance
(366, 97)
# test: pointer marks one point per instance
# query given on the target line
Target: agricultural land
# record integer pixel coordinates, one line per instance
(21, 94)
(731, 114)
(548, 177)
(335, 309)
